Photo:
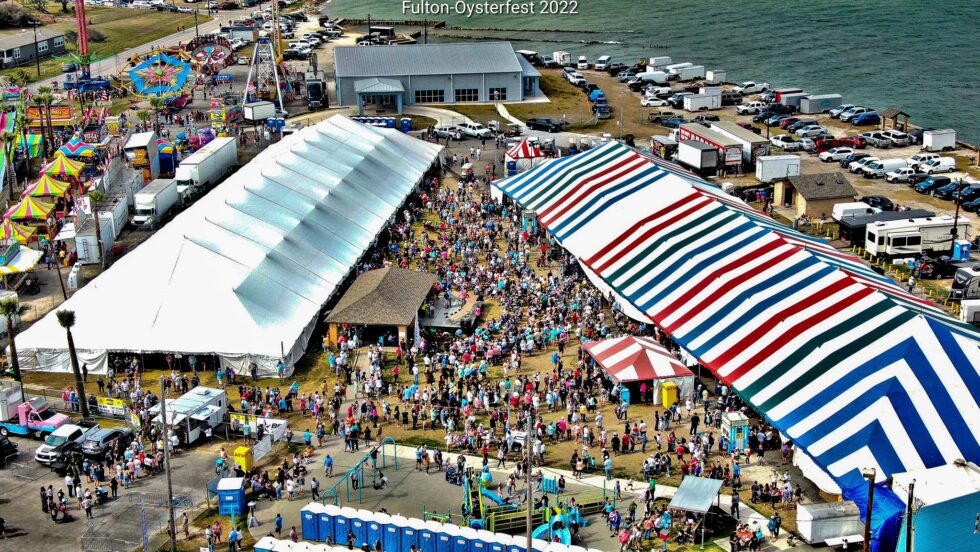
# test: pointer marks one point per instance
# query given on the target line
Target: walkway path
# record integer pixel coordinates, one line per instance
(442, 116)
(502, 111)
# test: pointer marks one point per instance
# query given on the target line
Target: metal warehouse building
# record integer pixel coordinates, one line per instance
(389, 77)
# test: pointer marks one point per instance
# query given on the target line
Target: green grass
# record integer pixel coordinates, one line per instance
(123, 28)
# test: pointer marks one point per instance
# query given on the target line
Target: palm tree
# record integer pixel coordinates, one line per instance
(67, 319)
(38, 101)
(45, 94)
(95, 198)
(144, 116)
(11, 308)
(9, 140)
(23, 124)
(157, 105)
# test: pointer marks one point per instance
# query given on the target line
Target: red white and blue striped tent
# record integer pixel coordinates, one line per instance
(839, 358)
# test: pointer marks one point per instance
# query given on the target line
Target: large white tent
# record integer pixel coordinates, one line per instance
(244, 272)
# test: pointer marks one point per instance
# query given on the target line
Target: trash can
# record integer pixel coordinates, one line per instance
(243, 457)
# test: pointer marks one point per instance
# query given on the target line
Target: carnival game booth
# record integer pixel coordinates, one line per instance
(645, 367)
(837, 357)
(276, 242)
(36, 214)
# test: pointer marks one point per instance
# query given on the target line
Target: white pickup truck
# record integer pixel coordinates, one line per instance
(750, 108)
(751, 87)
(61, 439)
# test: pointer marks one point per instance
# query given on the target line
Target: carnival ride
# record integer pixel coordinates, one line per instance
(83, 58)
(210, 53)
(267, 74)
(162, 72)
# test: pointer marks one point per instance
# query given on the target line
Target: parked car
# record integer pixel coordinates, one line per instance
(970, 193)
(749, 108)
(918, 159)
(898, 138)
(915, 137)
(750, 127)
(785, 122)
(773, 120)
(448, 131)
(104, 440)
(856, 167)
(674, 122)
(800, 123)
(916, 178)
(938, 165)
(612, 69)
(899, 175)
(811, 130)
(852, 112)
(851, 158)
(623, 76)
(8, 448)
(856, 142)
(653, 102)
(950, 190)
(876, 139)
(475, 130)
(835, 154)
(826, 142)
(785, 142)
(931, 183)
(706, 118)
(761, 117)
(731, 98)
(543, 123)
(658, 117)
(866, 119)
(879, 202)
(751, 87)
(836, 112)
(781, 109)
(972, 206)
(807, 144)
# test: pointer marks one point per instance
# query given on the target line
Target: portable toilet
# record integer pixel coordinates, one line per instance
(445, 537)
(410, 534)
(325, 523)
(310, 521)
(286, 546)
(539, 545)
(428, 536)
(393, 533)
(342, 524)
(406, 124)
(482, 541)
(358, 524)
(322, 548)
(303, 546)
(231, 496)
(576, 548)
(517, 543)
(376, 528)
(498, 542)
(267, 544)
(669, 392)
(390, 122)
(558, 547)
(461, 543)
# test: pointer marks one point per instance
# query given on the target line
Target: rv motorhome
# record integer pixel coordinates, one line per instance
(915, 236)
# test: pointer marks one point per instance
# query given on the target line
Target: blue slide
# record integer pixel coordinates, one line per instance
(545, 533)
(492, 497)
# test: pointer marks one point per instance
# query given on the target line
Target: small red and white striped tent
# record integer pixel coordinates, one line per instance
(642, 359)
(524, 150)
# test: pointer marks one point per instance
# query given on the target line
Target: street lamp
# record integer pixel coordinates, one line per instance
(869, 474)
(37, 55)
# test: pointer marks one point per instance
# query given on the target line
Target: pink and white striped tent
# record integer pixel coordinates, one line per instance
(524, 150)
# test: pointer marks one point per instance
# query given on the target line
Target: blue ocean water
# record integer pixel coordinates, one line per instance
(920, 56)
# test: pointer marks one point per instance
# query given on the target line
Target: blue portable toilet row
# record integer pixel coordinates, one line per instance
(396, 533)
(383, 122)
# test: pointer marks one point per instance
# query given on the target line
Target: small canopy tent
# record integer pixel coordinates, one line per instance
(696, 494)
(31, 143)
(63, 167)
(47, 186)
(521, 156)
(30, 208)
(636, 359)
(76, 148)
(10, 230)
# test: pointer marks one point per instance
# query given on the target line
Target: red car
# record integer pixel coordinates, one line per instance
(824, 145)
(856, 142)
(783, 123)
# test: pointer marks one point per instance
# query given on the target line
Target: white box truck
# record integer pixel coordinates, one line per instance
(693, 72)
(206, 167)
(775, 167)
(915, 236)
(939, 140)
(697, 155)
(257, 112)
(657, 63)
(562, 58)
(154, 203)
(702, 102)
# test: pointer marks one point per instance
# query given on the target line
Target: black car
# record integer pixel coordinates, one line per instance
(706, 118)
(972, 206)
(731, 98)
(915, 137)
(881, 202)
(781, 109)
(762, 116)
(614, 68)
(950, 190)
(852, 158)
(550, 125)
(917, 177)
(588, 87)
(969, 193)
(8, 448)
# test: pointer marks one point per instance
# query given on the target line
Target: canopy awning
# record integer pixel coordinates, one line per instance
(25, 260)
(77, 148)
(696, 494)
(30, 208)
(633, 358)
(46, 186)
(378, 86)
(62, 166)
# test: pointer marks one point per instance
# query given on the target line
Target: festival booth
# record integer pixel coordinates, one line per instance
(10, 230)
(47, 187)
(64, 169)
(521, 156)
(30, 144)
(640, 364)
(61, 116)
(78, 150)
(34, 213)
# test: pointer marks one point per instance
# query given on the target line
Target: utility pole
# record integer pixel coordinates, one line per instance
(956, 219)
(869, 474)
(908, 517)
(171, 521)
(197, 32)
(37, 55)
(530, 493)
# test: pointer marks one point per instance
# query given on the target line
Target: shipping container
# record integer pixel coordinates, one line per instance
(820, 103)
(697, 155)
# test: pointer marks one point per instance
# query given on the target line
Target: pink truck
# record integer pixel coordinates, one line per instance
(32, 417)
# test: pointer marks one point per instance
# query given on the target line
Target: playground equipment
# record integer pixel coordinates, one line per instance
(371, 458)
